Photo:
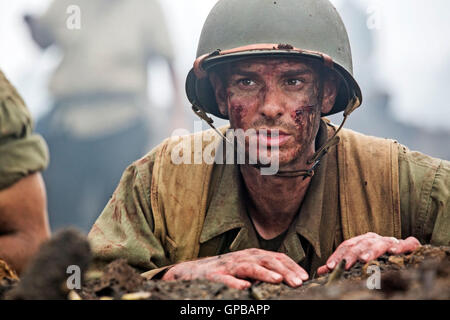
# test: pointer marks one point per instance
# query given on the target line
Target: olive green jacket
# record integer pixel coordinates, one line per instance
(21, 152)
(161, 214)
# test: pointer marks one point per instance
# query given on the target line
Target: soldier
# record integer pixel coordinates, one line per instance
(23, 209)
(274, 66)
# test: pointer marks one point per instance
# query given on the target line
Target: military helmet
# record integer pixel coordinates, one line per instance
(237, 29)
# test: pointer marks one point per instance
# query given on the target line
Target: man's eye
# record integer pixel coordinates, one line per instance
(247, 82)
(294, 82)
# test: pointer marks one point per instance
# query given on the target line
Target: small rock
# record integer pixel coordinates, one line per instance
(398, 261)
(73, 295)
(137, 296)
(365, 274)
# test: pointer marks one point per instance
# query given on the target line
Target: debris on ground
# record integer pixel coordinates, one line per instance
(115, 280)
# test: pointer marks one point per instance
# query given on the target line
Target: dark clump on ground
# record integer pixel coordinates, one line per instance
(115, 280)
(46, 276)
(423, 274)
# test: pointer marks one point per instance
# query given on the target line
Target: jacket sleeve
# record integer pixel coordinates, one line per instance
(125, 227)
(21, 152)
(424, 197)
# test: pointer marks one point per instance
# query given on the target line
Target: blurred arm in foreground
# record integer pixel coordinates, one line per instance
(23, 208)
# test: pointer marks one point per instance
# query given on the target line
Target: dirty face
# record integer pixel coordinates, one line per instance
(275, 95)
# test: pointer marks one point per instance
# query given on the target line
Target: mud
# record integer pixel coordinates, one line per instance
(423, 274)
(115, 280)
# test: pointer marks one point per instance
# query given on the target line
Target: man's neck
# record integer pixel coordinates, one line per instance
(274, 201)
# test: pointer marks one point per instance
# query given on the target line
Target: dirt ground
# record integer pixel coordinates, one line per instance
(424, 274)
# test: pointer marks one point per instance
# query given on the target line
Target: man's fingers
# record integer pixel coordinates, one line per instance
(257, 272)
(373, 251)
(412, 244)
(290, 277)
(370, 255)
(366, 248)
(294, 267)
(323, 270)
(404, 246)
(350, 259)
(338, 255)
(230, 281)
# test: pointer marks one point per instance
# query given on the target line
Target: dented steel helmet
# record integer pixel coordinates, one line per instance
(237, 29)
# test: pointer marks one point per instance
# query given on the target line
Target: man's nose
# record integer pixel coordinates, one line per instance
(272, 104)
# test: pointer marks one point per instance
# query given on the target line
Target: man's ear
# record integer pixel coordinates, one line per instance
(220, 92)
(330, 90)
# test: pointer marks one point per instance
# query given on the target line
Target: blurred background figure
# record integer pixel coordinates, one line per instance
(101, 119)
(376, 116)
(23, 155)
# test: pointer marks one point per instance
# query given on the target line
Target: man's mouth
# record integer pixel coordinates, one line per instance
(272, 137)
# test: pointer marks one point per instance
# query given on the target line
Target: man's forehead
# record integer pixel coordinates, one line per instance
(281, 63)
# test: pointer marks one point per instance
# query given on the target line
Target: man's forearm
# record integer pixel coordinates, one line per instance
(17, 249)
(23, 221)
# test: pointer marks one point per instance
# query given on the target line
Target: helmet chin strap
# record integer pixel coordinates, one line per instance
(204, 116)
(317, 156)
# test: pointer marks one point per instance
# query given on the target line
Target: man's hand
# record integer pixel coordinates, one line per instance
(365, 248)
(232, 268)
